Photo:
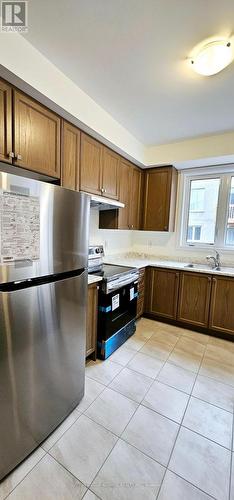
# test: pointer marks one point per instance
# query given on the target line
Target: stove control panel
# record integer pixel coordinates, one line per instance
(96, 252)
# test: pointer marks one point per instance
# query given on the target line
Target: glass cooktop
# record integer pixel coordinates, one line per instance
(110, 271)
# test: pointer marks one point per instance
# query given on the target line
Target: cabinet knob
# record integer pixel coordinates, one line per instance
(11, 154)
(18, 157)
(209, 279)
(165, 228)
(102, 190)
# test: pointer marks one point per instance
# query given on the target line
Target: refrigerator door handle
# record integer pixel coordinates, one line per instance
(31, 282)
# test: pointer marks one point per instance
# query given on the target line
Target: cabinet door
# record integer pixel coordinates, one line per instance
(136, 201)
(36, 136)
(91, 327)
(5, 123)
(194, 299)
(110, 174)
(90, 166)
(222, 305)
(70, 156)
(124, 195)
(162, 292)
(159, 200)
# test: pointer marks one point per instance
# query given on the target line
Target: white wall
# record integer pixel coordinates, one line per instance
(27, 63)
(114, 241)
(18, 56)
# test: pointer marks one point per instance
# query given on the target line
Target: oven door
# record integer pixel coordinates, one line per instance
(116, 310)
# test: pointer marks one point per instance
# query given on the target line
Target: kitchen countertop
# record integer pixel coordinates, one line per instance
(153, 262)
(93, 279)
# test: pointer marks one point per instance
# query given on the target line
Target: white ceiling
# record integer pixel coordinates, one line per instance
(130, 57)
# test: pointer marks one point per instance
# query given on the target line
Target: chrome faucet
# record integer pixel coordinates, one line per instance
(215, 259)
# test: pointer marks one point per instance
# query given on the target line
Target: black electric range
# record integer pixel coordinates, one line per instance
(117, 303)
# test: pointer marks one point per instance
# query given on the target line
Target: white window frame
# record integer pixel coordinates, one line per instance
(224, 172)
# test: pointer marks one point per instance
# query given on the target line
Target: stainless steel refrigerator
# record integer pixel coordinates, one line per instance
(43, 287)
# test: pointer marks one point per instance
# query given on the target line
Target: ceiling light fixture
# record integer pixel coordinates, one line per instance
(212, 57)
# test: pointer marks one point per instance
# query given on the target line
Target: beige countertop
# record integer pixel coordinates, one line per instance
(150, 261)
(93, 279)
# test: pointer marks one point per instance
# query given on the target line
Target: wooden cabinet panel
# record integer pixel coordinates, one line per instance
(5, 122)
(222, 305)
(90, 165)
(36, 136)
(91, 326)
(194, 298)
(70, 156)
(124, 195)
(135, 198)
(110, 174)
(160, 199)
(162, 292)
(141, 293)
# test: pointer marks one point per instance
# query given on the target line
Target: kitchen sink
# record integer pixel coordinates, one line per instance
(206, 267)
(198, 266)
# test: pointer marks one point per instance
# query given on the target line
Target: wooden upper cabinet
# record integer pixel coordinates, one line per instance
(124, 194)
(135, 198)
(222, 305)
(5, 123)
(161, 291)
(110, 174)
(194, 298)
(90, 165)
(36, 136)
(70, 156)
(160, 199)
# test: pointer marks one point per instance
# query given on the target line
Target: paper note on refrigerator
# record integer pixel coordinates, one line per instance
(20, 226)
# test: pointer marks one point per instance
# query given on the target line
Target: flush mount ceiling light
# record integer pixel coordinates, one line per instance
(212, 57)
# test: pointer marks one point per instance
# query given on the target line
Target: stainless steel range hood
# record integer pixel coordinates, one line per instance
(102, 203)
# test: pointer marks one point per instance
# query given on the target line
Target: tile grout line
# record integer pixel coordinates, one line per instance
(231, 480)
(45, 453)
(180, 425)
(119, 437)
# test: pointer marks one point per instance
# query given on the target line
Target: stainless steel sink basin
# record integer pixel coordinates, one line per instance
(198, 266)
(206, 267)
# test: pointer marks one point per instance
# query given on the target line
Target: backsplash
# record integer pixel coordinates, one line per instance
(114, 241)
(148, 243)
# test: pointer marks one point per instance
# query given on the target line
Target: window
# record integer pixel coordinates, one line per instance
(230, 217)
(208, 209)
(194, 233)
(197, 197)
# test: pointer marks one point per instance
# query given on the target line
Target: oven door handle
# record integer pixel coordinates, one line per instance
(119, 284)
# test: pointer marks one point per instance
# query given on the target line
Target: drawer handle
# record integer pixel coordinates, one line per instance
(18, 157)
(11, 154)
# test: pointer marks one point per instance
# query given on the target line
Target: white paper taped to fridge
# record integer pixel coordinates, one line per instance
(20, 226)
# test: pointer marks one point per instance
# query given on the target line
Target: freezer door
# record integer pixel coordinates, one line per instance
(45, 220)
(42, 363)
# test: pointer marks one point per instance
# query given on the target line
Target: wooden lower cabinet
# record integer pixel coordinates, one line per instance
(194, 299)
(141, 293)
(162, 292)
(222, 305)
(91, 325)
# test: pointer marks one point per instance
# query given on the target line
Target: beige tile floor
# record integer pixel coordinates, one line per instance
(156, 422)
